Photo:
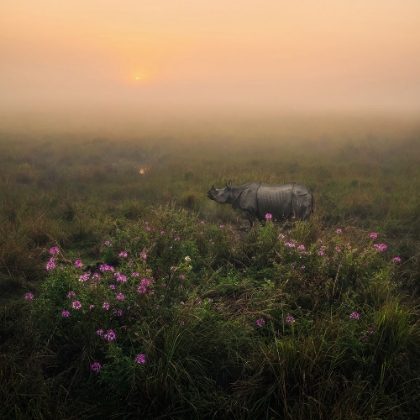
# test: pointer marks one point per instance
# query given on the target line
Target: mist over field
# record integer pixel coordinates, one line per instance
(97, 66)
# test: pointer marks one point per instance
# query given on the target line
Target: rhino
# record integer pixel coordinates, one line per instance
(282, 202)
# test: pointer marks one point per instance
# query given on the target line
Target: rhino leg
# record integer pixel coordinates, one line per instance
(251, 218)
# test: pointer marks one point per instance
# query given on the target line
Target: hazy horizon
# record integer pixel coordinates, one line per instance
(122, 62)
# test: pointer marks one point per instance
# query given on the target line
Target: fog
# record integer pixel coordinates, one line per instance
(104, 66)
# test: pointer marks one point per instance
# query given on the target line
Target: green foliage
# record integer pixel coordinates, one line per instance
(304, 320)
(244, 334)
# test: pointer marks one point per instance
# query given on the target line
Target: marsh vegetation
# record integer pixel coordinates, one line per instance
(144, 299)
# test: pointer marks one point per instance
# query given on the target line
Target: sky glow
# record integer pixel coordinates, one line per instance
(259, 55)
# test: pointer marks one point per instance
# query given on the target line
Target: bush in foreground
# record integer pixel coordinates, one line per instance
(181, 318)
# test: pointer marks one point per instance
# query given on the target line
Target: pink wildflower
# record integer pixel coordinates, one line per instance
(141, 359)
(260, 322)
(120, 296)
(355, 315)
(76, 304)
(84, 277)
(339, 231)
(65, 314)
(373, 235)
(290, 319)
(51, 264)
(96, 367)
(29, 296)
(123, 254)
(105, 305)
(54, 251)
(110, 335)
(107, 243)
(380, 247)
(143, 286)
(105, 267)
(143, 255)
(78, 264)
(396, 259)
(268, 216)
(96, 276)
(121, 277)
(71, 294)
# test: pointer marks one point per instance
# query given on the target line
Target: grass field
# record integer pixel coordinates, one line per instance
(126, 293)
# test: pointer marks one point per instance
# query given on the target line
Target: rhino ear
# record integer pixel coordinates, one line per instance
(212, 187)
(229, 184)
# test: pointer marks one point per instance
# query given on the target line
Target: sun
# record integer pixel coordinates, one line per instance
(139, 77)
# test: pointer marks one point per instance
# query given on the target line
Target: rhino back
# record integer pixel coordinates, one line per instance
(275, 199)
(284, 201)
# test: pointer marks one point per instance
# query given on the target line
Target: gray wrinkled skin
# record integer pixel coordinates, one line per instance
(282, 201)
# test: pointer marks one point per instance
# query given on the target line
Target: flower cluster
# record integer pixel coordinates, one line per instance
(96, 367)
(355, 315)
(54, 251)
(84, 277)
(105, 267)
(260, 322)
(143, 286)
(110, 335)
(380, 247)
(141, 359)
(120, 277)
(76, 305)
(50, 264)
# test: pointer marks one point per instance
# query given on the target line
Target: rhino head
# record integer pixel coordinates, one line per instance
(222, 196)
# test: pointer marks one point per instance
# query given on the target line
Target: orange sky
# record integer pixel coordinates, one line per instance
(260, 54)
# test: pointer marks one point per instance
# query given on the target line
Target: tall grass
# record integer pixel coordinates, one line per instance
(302, 320)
